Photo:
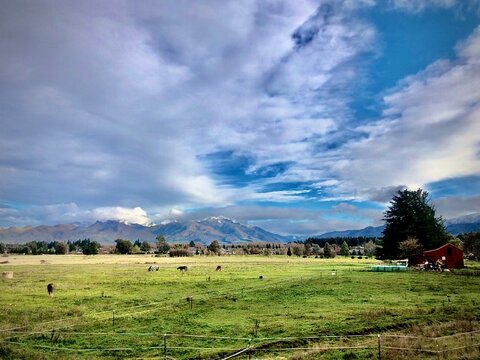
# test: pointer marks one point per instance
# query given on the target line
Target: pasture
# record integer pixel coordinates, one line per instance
(111, 307)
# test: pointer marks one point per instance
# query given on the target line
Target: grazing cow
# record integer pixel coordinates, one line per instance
(50, 289)
(153, 268)
(260, 277)
(182, 268)
(219, 268)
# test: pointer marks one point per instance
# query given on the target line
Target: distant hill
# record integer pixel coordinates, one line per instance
(201, 231)
(463, 224)
(468, 223)
(370, 231)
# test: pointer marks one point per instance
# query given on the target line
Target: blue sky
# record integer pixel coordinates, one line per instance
(298, 116)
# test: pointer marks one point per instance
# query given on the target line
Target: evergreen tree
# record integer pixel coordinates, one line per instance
(344, 250)
(411, 215)
(289, 251)
(145, 246)
(214, 247)
(327, 251)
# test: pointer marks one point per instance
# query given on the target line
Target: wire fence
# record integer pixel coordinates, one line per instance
(169, 345)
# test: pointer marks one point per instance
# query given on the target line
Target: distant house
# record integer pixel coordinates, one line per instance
(449, 254)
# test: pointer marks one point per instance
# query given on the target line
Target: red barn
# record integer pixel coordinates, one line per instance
(449, 254)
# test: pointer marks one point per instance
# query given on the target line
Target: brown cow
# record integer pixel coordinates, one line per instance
(50, 289)
(219, 268)
(182, 268)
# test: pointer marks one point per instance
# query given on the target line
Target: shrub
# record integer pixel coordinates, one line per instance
(178, 253)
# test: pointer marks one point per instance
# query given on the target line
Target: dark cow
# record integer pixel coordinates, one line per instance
(219, 268)
(153, 268)
(182, 268)
(50, 289)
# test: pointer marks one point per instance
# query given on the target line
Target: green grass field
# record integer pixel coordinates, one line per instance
(289, 314)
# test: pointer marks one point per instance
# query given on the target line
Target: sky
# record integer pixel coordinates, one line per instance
(297, 116)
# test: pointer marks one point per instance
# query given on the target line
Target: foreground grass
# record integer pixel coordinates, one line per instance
(297, 298)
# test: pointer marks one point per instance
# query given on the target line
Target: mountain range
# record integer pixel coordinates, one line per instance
(200, 231)
(226, 231)
(463, 224)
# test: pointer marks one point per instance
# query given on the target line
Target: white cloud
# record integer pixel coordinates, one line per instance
(132, 216)
(455, 206)
(112, 105)
(430, 129)
(417, 6)
(70, 213)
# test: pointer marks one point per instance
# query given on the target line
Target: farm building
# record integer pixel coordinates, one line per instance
(449, 254)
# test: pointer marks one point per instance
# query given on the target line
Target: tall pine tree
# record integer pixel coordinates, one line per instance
(411, 215)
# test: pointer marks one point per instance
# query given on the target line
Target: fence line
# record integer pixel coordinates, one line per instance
(237, 353)
(247, 338)
(459, 334)
(252, 348)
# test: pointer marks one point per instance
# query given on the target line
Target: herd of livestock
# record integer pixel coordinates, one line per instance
(182, 268)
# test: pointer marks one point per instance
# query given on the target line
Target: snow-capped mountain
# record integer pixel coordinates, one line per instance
(201, 231)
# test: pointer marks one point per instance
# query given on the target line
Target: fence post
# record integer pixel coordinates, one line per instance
(249, 347)
(113, 318)
(164, 346)
(379, 349)
(437, 347)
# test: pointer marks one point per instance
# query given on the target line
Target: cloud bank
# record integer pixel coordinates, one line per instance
(125, 110)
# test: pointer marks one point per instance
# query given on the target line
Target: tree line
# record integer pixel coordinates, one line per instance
(85, 246)
(351, 241)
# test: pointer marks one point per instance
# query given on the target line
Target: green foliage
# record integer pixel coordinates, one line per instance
(178, 253)
(456, 242)
(38, 248)
(214, 247)
(191, 244)
(135, 249)
(61, 248)
(3, 248)
(145, 246)
(344, 250)
(369, 249)
(87, 246)
(327, 251)
(471, 243)
(351, 241)
(308, 249)
(410, 248)
(123, 246)
(162, 244)
(298, 249)
(411, 215)
(289, 251)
